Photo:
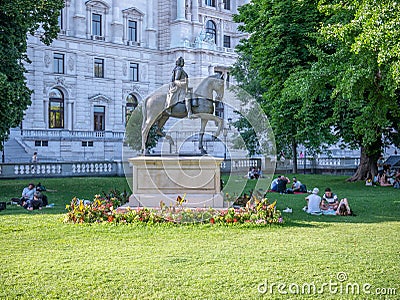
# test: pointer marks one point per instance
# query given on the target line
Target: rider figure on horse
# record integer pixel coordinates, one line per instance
(178, 88)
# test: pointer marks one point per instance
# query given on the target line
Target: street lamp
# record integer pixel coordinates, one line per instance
(225, 133)
(3, 158)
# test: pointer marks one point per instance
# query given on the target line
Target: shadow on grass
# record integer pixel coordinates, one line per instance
(18, 210)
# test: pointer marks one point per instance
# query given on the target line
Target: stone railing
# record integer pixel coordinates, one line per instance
(342, 165)
(60, 169)
(239, 165)
(37, 133)
(332, 165)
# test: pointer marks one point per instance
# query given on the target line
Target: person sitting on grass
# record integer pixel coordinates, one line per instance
(344, 208)
(35, 203)
(274, 184)
(329, 200)
(27, 194)
(384, 181)
(313, 203)
(252, 174)
(396, 183)
(298, 187)
(282, 182)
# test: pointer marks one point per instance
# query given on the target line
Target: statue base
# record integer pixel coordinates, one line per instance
(164, 178)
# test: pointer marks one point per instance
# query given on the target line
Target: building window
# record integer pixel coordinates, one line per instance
(99, 68)
(41, 143)
(96, 24)
(210, 3)
(132, 31)
(227, 4)
(56, 109)
(61, 20)
(219, 109)
(58, 63)
(227, 41)
(87, 143)
(131, 104)
(134, 72)
(211, 30)
(99, 118)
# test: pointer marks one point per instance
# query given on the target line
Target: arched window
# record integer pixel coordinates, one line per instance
(56, 109)
(131, 104)
(211, 31)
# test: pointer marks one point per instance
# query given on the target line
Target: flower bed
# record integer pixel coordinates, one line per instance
(103, 209)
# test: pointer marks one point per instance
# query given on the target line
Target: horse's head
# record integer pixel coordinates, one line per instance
(219, 86)
(211, 84)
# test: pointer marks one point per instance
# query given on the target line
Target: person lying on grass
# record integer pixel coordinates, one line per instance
(344, 208)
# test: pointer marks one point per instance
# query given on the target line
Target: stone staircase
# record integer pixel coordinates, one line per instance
(14, 151)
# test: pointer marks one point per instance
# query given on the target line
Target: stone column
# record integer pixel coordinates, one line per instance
(46, 111)
(151, 33)
(69, 115)
(180, 10)
(79, 19)
(150, 19)
(195, 11)
(116, 25)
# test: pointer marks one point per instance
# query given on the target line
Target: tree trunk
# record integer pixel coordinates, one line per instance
(367, 167)
(294, 153)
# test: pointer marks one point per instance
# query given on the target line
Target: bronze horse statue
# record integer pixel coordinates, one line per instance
(154, 112)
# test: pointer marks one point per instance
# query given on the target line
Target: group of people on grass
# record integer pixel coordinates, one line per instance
(386, 176)
(328, 204)
(254, 173)
(280, 183)
(33, 197)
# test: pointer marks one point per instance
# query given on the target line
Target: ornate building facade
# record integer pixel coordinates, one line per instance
(108, 56)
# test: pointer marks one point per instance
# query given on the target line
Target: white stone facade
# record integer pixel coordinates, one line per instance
(108, 51)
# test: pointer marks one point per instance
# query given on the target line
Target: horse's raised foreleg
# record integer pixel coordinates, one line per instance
(201, 135)
(220, 123)
(160, 124)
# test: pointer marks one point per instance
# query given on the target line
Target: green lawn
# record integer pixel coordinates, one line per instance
(43, 258)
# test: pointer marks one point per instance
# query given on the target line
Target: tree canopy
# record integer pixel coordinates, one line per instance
(347, 85)
(17, 19)
(281, 34)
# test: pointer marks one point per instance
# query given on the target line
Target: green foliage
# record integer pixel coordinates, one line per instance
(282, 33)
(17, 18)
(329, 67)
(133, 136)
(247, 138)
(361, 69)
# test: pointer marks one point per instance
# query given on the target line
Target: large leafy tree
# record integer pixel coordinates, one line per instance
(281, 34)
(17, 19)
(359, 59)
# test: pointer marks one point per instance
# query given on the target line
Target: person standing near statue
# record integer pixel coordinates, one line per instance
(178, 88)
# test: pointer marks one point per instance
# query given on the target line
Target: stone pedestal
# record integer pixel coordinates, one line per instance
(163, 178)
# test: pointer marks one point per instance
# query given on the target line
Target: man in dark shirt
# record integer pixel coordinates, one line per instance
(282, 182)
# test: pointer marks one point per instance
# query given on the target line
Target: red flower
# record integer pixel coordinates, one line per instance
(212, 221)
(110, 218)
(234, 220)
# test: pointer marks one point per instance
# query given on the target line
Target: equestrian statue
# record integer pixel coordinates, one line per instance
(181, 102)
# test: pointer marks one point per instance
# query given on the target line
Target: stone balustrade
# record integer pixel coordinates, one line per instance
(60, 169)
